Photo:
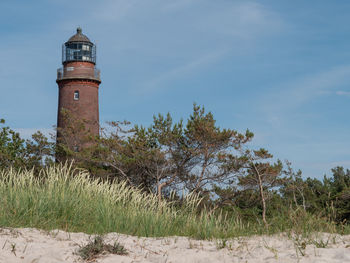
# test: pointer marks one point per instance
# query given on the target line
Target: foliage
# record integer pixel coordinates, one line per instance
(64, 198)
(97, 247)
(12, 148)
(167, 160)
(164, 157)
(19, 153)
(331, 195)
(68, 199)
(294, 187)
(261, 176)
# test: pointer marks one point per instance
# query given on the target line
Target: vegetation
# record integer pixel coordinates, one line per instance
(97, 247)
(188, 178)
(61, 197)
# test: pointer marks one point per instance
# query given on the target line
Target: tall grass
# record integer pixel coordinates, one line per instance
(64, 198)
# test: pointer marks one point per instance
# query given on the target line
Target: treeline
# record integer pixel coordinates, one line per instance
(169, 158)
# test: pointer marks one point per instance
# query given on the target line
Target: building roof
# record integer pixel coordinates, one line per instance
(79, 37)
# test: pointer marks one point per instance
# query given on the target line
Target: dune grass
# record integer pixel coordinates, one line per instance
(64, 198)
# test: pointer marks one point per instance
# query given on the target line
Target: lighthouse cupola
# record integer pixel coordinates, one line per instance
(79, 48)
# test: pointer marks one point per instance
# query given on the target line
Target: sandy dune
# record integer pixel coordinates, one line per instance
(35, 246)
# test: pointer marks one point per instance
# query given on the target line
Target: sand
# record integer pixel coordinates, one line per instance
(37, 246)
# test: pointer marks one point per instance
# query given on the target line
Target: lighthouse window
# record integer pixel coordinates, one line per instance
(76, 95)
(86, 47)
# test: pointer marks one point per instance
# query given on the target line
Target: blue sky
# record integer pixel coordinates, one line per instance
(279, 68)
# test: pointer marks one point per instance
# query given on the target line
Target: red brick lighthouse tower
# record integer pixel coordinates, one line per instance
(78, 83)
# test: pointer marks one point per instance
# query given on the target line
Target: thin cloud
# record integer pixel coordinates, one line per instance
(314, 85)
(278, 104)
(179, 4)
(244, 20)
(342, 93)
(183, 70)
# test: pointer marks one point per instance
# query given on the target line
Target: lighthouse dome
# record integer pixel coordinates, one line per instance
(79, 37)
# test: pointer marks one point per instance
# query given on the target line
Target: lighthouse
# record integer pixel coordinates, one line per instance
(78, 86)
